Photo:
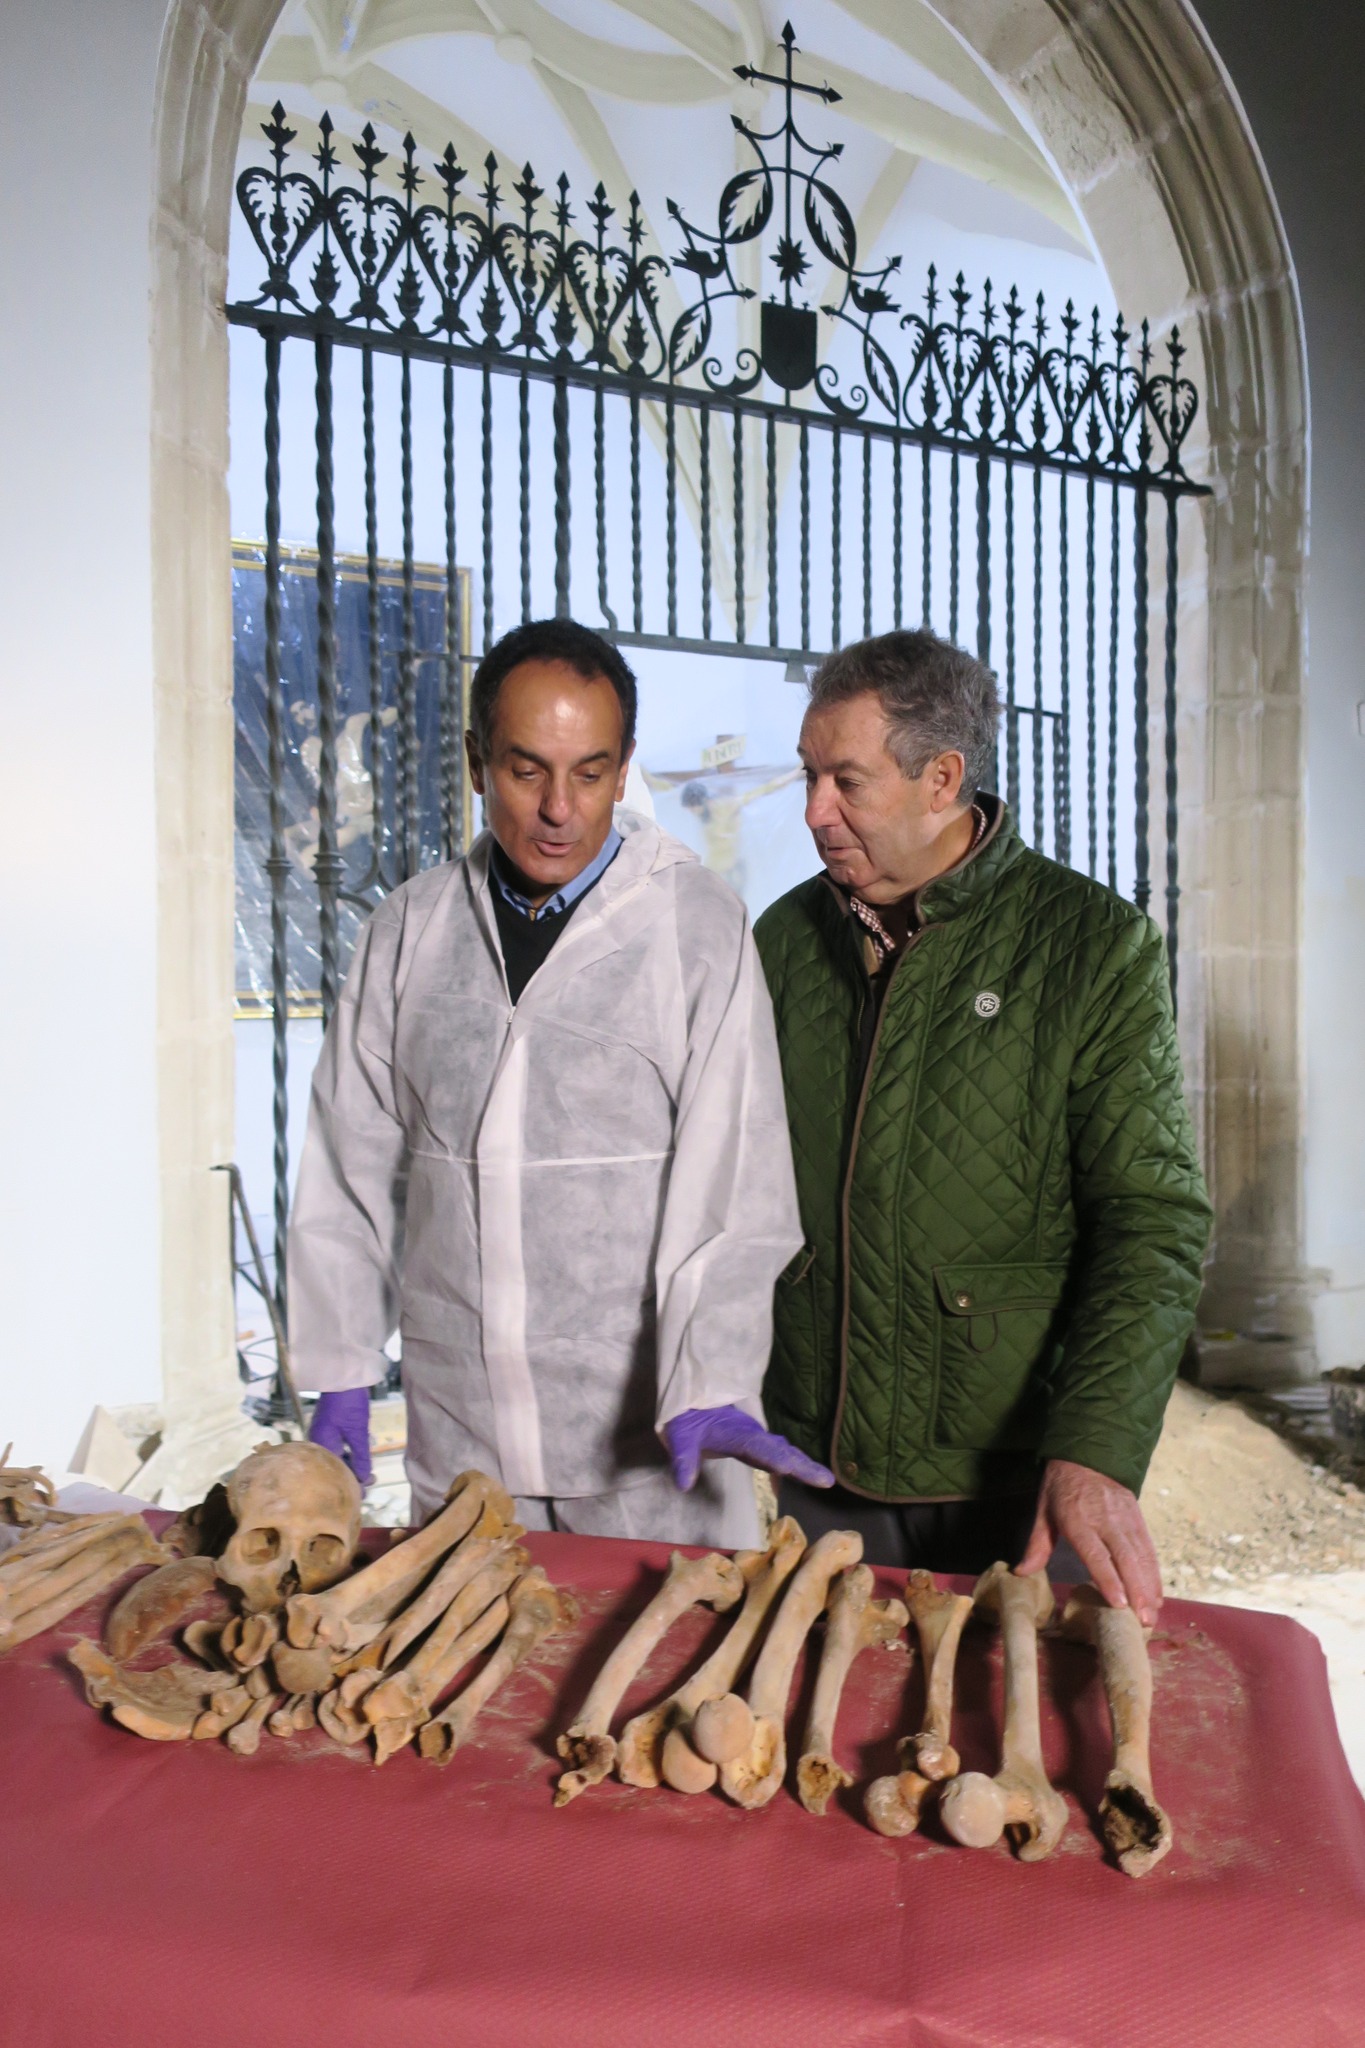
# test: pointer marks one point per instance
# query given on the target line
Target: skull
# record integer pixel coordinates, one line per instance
(297, 1511)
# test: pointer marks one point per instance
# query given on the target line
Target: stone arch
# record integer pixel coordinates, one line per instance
(1143, 126)
(1146, 131)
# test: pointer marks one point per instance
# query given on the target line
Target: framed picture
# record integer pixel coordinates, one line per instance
(402, 794)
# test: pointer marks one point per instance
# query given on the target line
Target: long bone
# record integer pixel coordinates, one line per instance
(587, 1746)
(748, 1739)
(655, 1745)
(856, 1622)
(976, 1810)
(397, 1730)
(939, 1619)
(536, 1610)
(404, 1699)
(34, 1571)
(1137, 1830)
(352, 1613)
(488, 1542)
(893, 1805)
(161, 1705)
(43, 1599)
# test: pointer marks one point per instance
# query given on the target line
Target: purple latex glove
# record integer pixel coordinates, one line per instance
(341, 1423)
(730, 1433)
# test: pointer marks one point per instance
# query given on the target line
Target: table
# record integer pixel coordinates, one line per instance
(159, 1894)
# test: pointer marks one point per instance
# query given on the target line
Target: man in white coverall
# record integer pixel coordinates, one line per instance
(547, 1140)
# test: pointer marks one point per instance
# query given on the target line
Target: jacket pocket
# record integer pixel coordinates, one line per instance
(997, 1346)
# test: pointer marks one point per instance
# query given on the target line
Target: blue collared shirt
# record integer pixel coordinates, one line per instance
(562, 898)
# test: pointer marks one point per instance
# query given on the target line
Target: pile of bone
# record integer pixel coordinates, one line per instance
(707, 1733)
(314, 1642)
(61, 1560)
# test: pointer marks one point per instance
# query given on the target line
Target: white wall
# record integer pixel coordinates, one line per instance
(1299, 79)
(78, 1244)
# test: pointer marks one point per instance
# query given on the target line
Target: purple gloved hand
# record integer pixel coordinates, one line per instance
(341, 1423)
(730, 1433)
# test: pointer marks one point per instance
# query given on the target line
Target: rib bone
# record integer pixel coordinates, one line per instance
(352, 1613)
(655, 1745)
(587, 1746)
(977, 1810)
(536, 1610)
(856, 1622)
(1135, 1827)
(753, 1774)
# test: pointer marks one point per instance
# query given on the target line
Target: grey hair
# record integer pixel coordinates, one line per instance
(937, 698)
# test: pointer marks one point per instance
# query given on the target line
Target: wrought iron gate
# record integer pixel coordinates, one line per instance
(718, 482)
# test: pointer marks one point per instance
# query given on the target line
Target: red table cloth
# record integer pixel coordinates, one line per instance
(158, 1894)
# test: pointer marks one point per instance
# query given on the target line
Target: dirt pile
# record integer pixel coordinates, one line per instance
(1228, 1499)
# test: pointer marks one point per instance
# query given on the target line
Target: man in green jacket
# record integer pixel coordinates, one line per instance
(1003, 1213)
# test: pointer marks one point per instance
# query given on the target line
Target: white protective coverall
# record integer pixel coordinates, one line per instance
(574, 1209)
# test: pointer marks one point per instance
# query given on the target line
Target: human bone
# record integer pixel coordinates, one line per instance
(753, 1776)
(655, 1745)
(491, 1538)
(856, 1622)
(296, 1524)
(396, 1730)
(587, 1746)
(939, 1618)
(353, 1613)
(161, 1705)
(1137, 1830)
(893, 1805)
(977, 1810)
(407, 1696)
(339, 1711)
(155, 1603)
(536, 1610)
(244, 1736)
(50, 1574)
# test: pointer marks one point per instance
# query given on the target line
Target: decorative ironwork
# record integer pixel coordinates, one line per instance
(489, 274)
(1022, 426)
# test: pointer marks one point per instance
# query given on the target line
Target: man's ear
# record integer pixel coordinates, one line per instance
(945, 781)
(475, 760)
(626, 760)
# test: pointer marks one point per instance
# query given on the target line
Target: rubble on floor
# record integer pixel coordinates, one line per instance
(1230, 1500)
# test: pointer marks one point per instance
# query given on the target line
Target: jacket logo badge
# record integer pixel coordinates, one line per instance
(987, 1003)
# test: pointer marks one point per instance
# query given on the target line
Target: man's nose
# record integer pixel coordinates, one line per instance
(556, 802)
(822, 809)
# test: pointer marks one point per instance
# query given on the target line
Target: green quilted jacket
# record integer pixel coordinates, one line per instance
(1005, 1221)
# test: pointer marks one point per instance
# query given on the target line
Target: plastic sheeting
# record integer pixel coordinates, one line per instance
(152, 1893)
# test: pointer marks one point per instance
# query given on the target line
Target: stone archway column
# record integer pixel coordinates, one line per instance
(1131, 103)
(209, 52)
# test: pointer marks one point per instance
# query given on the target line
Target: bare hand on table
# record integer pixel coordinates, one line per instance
(1102, 1522)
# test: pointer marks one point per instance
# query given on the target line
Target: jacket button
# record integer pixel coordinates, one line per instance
(963, 1300)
